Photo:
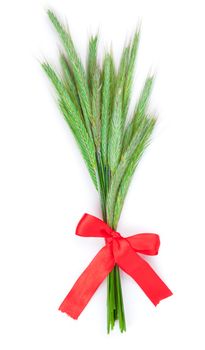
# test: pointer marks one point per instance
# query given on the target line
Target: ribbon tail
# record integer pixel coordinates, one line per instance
(152, 285)
(88, 282)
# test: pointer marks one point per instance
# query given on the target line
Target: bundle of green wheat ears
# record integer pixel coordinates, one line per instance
(94, 101)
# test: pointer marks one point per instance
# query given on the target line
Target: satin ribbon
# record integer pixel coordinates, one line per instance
(118, 250)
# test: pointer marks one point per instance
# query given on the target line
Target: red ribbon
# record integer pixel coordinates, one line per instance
(118, 250)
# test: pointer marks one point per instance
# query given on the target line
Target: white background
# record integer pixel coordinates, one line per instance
(45, 187)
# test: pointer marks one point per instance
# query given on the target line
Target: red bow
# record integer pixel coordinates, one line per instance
(118, 250)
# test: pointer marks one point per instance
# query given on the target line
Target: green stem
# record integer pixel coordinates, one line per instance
(121, 313)
(115, 307)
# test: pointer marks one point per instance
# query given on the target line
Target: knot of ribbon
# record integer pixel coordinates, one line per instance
(117, 250)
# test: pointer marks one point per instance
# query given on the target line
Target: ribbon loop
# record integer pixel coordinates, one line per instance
(90, 226)
(145, 243)
(123, 252)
